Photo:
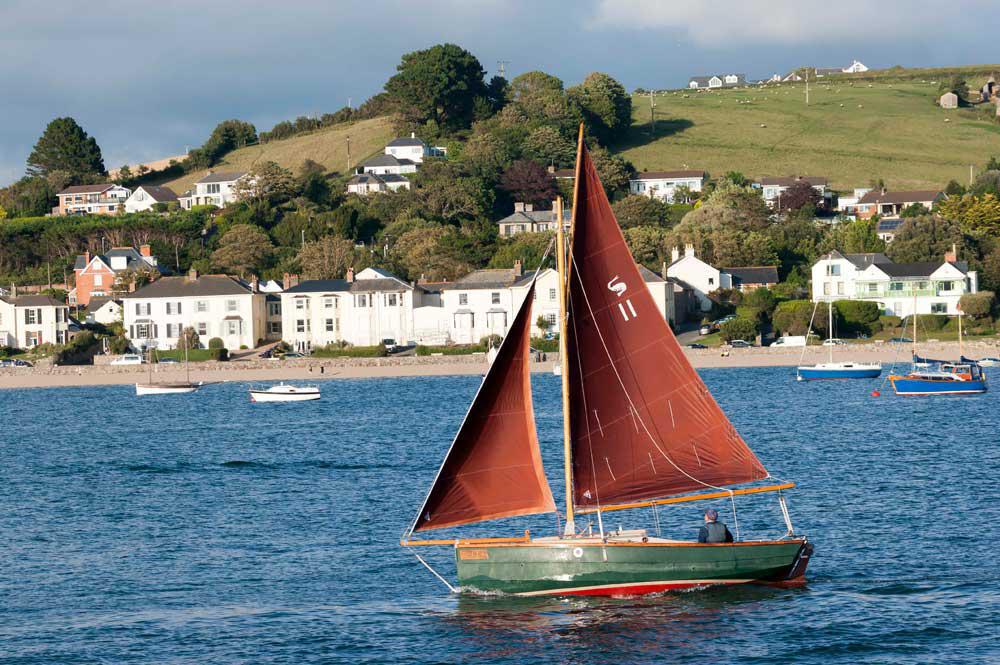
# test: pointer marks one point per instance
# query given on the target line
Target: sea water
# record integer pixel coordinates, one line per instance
(206, 529)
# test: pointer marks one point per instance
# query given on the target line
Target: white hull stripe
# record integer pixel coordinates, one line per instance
(627, 585)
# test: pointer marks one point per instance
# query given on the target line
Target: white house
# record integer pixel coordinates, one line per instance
(716, 81)
(364, 184)
(848, 204)
(218, 189)
(388, 164)
(933, 287)
(146, 196)
(214, 305)
(525, 219)
(27, 321)
(412, 149)
(100, 199)
(773, 188)
(663, 184)
(700, 277)
(855, 67)
(104, 310)
(362, 310)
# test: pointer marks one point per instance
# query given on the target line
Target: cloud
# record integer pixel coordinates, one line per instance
(729, 23)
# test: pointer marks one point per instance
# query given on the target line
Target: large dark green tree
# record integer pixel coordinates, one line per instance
(606, 105)
(65, 147)
(439, 84)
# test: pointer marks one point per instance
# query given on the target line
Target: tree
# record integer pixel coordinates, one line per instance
(191, 338)
(761, 299)
(799, 195)
(648, 245)
(486, 155)
(913, 210)
(28, 197)
(729, 207)
(439, 84)
(528, 248)
(529, 182)
(607, 107)
(925, 238)
(639, 210)
(264, 186)
(987, 182)
(547, 145)
(243, 248)
(857, 237)
(533, 84)
(226, 137)
(792, 317)
(977, 305)
(419, 253)
(327, 258)
(739, 328)
(64, 146)
(312, 183)
(990, 274)
(614, 171)
(953, 188)
(3, 212)
(543, 323)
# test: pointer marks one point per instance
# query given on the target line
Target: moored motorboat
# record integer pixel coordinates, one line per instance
(936, 377)
(284, 392)
(640, 429)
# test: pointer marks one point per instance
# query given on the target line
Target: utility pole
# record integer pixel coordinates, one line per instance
(972, 178)
(807, 86)
(348, 154)
(652, 115)
(502, 68)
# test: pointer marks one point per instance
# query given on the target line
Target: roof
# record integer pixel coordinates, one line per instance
(404, 141)
(221, 176)
(34, 301)
(649, 276)
(753, 274)
(158, 194)
(180, 287)
(391, 285)
(100, 301)
(88, 189)
(386, 160)
(862, 261)
(912, 196)
(134, 260)
(783, 181)
(921, 269)
(393, 177)
(703, 79)
(888, 225)
(523, 217)
(366, 179)
(563, 173)
(829, 70)
(667, 175)
(493, 278)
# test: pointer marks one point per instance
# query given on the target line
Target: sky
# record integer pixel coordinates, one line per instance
(151, 79)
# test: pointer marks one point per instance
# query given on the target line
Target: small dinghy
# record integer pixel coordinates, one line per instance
(284, 392)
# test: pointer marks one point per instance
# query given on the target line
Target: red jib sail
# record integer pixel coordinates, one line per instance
(643, 425)
(494, 467)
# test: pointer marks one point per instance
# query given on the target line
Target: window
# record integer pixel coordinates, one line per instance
(144, 331)
(939, 308)
(329, 303)
(233, 327)
(202, 328)
(302, 304)
(98, 280)
(142, 308)
(921, 285)
(274, 327)
(947, 286)
(362, 300)
(32, 316)
(826, 288)
(833, 270)
(392, 299)
(232, 305)
(551, 318)
(274, 309)
(213, 188)
(495, 298)
(711, 281)
(201, 306)
(552, 294)
(329, 325)
(895, 286)
(303, 325)
(840, 288)
(872, 287)
(463, 298)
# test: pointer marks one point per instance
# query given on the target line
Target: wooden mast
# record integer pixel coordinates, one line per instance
(570, 529)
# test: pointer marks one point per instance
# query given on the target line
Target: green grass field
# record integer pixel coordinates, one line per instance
(326, 146)
(852, 134)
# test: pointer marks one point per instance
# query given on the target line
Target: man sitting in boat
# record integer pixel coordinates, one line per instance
(714, 531)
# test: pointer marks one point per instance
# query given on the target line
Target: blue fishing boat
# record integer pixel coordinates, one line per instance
(835, 370)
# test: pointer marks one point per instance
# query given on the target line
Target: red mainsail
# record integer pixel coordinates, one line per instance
(494, 467)
(643, 425)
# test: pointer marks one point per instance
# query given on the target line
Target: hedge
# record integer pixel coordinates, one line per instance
(450, 350)
(745, 329)
(338, 351)
(195, 355)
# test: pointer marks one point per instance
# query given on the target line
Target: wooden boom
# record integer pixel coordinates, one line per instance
(468, 541)
(693, 497)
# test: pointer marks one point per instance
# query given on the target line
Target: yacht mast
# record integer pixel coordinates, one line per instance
(563, 360)
(829, 334)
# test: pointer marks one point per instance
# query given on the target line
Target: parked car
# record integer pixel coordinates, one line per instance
(128, 359)
(169, 361)
(708, 329)
(740, 344)
(833, 341)
(390, 345)
(725, 319)
(696, 345)
(293, 355)
(790, 340)
(900, 340)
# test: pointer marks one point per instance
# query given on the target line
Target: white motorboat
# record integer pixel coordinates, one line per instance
(284, 392)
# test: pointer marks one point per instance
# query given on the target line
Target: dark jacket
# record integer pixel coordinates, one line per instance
(714, 532)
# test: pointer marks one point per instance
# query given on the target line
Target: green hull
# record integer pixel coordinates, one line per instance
(576, 567)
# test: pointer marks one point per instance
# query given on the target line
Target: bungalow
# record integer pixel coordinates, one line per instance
(931, 287)
(27, 321)
(848, 204)
(773, 188)
(146, 196)
(386, 163)
(104, 310)
(525, 219)
(214, 305)
(364, 184)
(217, 189)
(413, 149)
(716, 81)
(827, 71)
(750, 278)
(103, 199)
(663, 184)
(791, 77)
(891, 204)
(96, 275)
(362, 310)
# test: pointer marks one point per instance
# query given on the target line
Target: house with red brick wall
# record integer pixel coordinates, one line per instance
(96, 274)
(889, 204)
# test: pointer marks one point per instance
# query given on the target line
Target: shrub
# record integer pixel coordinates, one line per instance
(216, 343)
(977, 305)
(218, 354)
(739, 328)
(858, 316)
(347, 351)
(546, 345)
(887, 322)
(243, 347)
(930, 322)
(792, 317)
(76, 351)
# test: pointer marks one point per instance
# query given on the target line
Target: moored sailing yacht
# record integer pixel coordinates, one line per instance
(175, 388)
(640, 430)
(836, 370)
(935, 377)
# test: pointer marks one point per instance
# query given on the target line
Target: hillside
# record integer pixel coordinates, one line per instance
(851, 134)
(327, 146)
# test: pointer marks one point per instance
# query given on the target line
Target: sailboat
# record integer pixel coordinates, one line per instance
(836, 370)
(936, 377)
(640, 429)
(176, 388)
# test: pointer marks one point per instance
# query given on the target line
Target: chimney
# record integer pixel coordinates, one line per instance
(518, 268)
(293, 280)
(688, 249)
(675, 255)
(350, 275)
(286, 282)
(952, 256)
(518, 206)
(192, 275)
(413, 135)
(663, 270)
(423, 279)
(86, 257)
(528, 207)
(254, 284)
(145, 250)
